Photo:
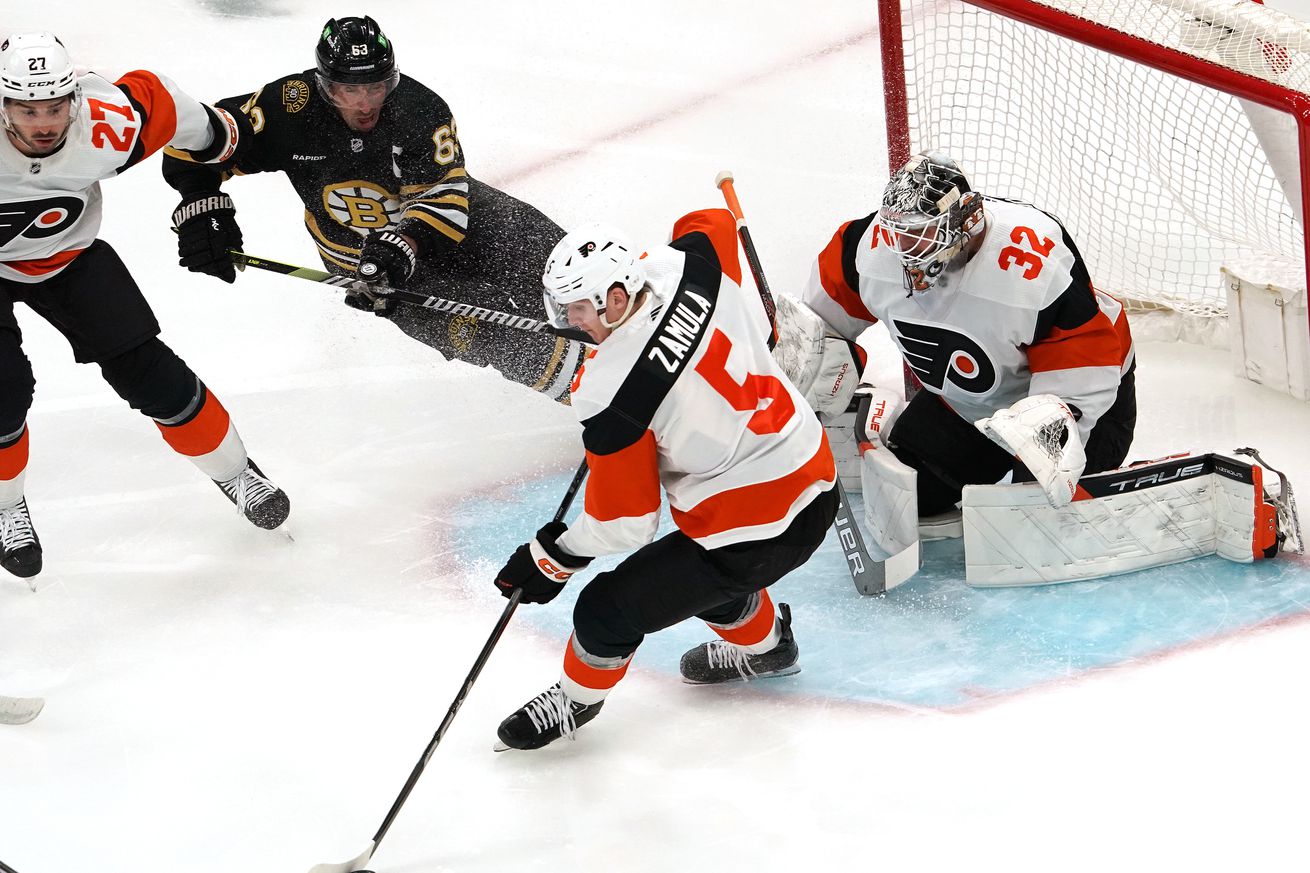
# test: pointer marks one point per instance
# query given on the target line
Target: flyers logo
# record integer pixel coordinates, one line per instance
(939, 355)
(38, 219)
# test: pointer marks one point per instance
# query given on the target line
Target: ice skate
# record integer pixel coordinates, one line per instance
(544, 719)
(722, 661)
(20, 549)
(258, 499)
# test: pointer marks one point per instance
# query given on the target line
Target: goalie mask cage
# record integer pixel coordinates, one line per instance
(1169, 136)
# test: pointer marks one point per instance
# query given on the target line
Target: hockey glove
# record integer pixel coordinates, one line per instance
(387, 257)
(540, 567)
(1042, 434)
(207, 233)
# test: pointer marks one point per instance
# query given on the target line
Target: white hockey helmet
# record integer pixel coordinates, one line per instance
(36, 66)
(585, 265)
(930, 211)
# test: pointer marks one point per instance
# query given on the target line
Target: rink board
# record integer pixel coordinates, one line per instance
(935, 642)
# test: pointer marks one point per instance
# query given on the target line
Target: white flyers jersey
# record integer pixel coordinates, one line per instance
(685, 395)
(1018, 318)
(50, 206)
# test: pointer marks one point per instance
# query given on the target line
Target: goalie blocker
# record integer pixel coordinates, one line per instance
(1146, 515)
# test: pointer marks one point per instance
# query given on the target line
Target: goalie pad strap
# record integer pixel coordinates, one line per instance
(1143, 516)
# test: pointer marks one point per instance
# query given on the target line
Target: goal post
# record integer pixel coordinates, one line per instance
(1172, 137)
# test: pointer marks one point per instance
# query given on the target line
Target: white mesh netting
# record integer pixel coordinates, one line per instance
(1159, 180)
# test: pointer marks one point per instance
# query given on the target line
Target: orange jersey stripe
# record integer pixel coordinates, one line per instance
(721, 228)
(624, 484)
(588, 676)
(45, 266)
(160, 124)
(202, 434)
(833, 278)
(13, 459)
(758, 504)
(1095, 343)
(753, 631)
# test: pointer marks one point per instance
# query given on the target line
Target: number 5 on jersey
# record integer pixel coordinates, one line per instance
(747, 395)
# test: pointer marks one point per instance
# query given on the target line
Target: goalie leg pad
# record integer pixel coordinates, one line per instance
(1147, 515)
(891, 504)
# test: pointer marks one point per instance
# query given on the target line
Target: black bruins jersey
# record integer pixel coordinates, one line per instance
(407, 173)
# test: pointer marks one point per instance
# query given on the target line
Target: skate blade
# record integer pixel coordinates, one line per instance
(772, 674)
(498, 746)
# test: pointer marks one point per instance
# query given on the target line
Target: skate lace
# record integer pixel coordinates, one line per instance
(722, 653)
(248, 490)
(549, 708)
(16, 528)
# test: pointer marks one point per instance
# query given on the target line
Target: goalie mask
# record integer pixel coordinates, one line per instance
(35, 67)
(585, 265)
(930, 212)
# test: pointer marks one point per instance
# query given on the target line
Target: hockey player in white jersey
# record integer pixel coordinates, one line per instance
(682, 394)
(994, 311)
(64, 133)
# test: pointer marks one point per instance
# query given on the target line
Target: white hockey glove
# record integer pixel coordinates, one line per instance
(1042, 434)
(820, 366)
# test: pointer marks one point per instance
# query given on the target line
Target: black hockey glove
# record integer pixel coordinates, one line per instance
(387, 257)
(540, 567)
(206, 230)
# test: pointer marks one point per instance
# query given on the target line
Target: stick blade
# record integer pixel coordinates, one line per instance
(20, 710)
(348, 867)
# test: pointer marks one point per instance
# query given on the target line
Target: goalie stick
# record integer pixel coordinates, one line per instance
(19, 710)
(869, 576)
(413, 298)
(363, 858)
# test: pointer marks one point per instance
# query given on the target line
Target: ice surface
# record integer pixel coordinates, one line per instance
(219, 698)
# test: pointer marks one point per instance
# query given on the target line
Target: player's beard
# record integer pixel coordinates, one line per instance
(39, 147)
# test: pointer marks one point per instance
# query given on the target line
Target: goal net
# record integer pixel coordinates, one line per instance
(1163, 133)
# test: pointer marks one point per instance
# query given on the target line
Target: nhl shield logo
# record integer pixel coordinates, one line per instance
(356, 144)
(295, 95)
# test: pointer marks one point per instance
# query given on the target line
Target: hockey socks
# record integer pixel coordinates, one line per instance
(13, 466)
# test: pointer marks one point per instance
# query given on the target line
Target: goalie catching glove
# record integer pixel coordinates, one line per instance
(540, 568)
(1042, 434)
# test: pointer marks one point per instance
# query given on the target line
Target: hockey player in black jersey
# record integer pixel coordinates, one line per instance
(376, 159)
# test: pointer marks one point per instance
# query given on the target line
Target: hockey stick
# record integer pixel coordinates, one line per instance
(413, 298)
(501, 624)
(19, 710)
(869, 576)
(6, 868)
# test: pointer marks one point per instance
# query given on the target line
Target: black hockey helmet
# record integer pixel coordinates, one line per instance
(355, 51)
